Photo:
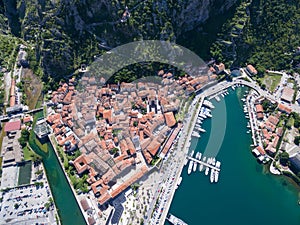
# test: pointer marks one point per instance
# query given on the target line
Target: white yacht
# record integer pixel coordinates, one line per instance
(195, 163)
(201, 129)
(218, 164)
(206, 170)
(195, 166)
(212, 175)
(201, 167)
(190, 166)
(203, 160)
(213, 161)
(192, 153)
(195, 134)
(175, 220)
(209, 160)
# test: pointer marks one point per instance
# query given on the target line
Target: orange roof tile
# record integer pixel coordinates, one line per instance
(284, 108)
(170, 119)
(251, 69)
(153, 147)
(259, 108)
(261, 150)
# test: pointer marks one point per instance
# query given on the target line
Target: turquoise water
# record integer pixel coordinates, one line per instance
(245, 193)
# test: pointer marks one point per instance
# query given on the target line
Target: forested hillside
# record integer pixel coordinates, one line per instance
(268, 38)
(66, 33)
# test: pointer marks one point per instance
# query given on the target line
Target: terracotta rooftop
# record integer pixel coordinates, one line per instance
(171, 139)
(12, 126)
(130, 181)
(170, 119)
(81, 163)
(284, 108)
(251, 69)
(260, 115)
(274, 120)
(261, 150)
(153, 147)
(84, 204)
(259, 108)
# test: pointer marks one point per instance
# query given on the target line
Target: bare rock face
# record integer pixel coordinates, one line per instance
(182, 15)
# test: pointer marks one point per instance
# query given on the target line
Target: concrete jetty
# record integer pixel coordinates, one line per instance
(203, 163)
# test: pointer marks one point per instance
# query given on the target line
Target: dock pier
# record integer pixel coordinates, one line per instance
(203, 163)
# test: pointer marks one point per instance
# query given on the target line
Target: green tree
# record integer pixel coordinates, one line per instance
(284, 158)
(297, 140)
(16, 205)
(24, 138)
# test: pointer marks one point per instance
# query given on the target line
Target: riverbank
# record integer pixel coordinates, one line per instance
(68, 209)
(51, 138)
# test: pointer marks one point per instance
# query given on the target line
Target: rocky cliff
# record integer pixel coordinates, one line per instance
(66, 33)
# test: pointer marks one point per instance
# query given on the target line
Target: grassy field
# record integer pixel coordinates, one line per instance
(29, 154)
(33, 88)
(271, 80)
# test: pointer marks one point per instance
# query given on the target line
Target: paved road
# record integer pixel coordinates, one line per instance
(172, 169)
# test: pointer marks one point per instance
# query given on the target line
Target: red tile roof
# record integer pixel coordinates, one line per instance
(153, 147)
(261, 150)
(12, 126)
(251, 69)
(260, 115)
(170, 119)
(27, 119)
(171, 139)
(259, 108)
(284, 108)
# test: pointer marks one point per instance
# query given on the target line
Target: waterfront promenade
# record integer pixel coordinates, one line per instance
(181, 152)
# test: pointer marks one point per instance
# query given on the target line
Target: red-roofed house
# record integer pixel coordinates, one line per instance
(259, 108)
(251, 70)
(284, 108)
(12, 126)
(170, 119)
(261, 150)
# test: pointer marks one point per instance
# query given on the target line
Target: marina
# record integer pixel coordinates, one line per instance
(240, 171)
(211, 166)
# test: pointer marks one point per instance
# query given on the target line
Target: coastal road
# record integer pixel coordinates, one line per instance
(171, 169)
(179, 155)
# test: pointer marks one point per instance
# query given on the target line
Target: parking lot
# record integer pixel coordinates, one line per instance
(27, 205)
(9, 177)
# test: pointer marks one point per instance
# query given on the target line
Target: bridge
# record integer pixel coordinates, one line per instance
(226, 84)
(7, 117)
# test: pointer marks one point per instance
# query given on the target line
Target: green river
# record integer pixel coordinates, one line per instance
(65, 202)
